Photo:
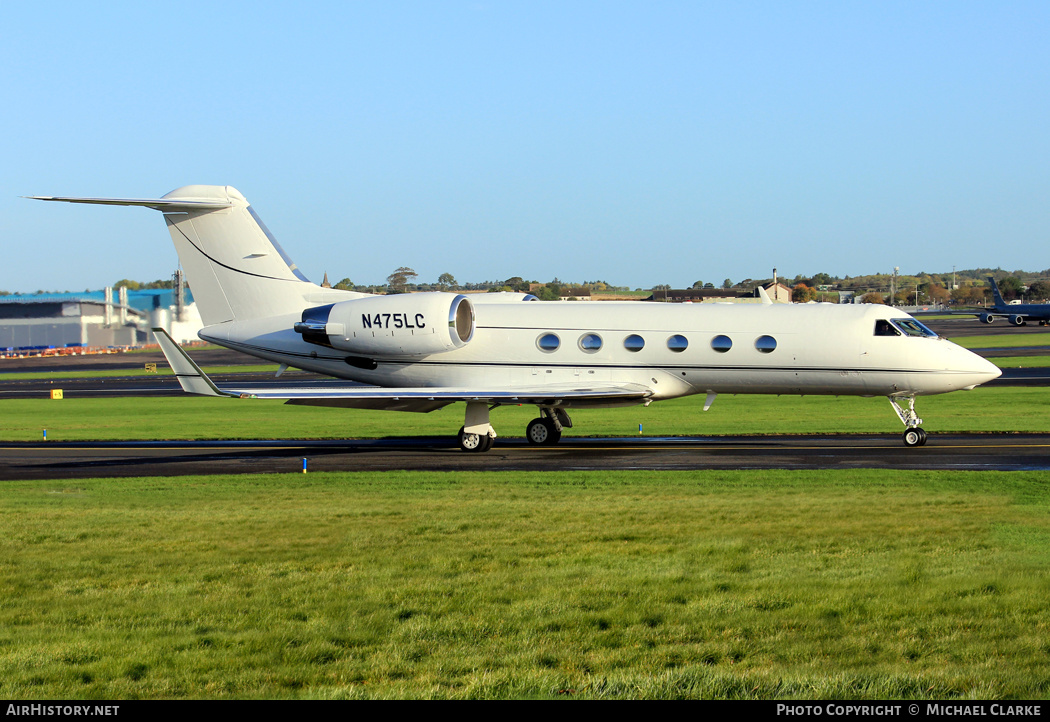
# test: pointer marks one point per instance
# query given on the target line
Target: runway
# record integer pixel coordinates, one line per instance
(78, 460)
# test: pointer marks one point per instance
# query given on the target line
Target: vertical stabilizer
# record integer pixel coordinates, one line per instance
(236, 268)
(996, 296)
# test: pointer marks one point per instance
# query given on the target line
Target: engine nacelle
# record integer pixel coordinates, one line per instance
(408, 324)
(986, 318)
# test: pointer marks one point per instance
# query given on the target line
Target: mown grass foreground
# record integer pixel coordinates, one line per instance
(492, 585)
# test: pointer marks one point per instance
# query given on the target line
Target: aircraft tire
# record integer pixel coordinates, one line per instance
(915, 437)
(542, 432)
(474, 442)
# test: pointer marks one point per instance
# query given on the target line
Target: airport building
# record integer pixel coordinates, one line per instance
(96, 319)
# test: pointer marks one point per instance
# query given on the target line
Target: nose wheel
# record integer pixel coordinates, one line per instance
(913, 434)
(915, 437)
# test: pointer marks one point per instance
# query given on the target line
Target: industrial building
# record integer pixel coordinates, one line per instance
(96, 319)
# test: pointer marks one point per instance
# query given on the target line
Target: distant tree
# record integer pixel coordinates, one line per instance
(400, 278)
(698, 284)
(938, 294)
(727, 283)
(1039, 290)
(346, 285)
(874, 297)
(517, 283)
(128, 284)
(802, 293)
(547, 293)
(1010, 287)
(706, 285)
(446, 281)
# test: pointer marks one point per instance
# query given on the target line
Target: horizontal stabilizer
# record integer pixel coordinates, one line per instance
(169, 205)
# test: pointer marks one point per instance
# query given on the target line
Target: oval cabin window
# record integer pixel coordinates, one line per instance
(548, 342)
(590, 342)
(766, 344)
(634, 343)
(721, 344)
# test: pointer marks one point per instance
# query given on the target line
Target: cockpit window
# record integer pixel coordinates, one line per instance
(911, 327)
(885, 328)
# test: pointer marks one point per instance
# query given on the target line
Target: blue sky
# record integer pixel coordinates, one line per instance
(635, 142)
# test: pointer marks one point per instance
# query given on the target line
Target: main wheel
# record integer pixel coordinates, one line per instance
(542, 431)
(474, 442)
(914, 437)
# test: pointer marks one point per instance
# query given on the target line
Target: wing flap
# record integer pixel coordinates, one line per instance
(431, 398)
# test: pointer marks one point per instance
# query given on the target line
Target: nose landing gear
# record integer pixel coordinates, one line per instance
(914, 435)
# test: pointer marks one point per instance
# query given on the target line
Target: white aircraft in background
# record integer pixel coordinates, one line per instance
(423, 351)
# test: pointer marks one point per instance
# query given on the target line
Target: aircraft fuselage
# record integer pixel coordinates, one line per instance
(674, 349)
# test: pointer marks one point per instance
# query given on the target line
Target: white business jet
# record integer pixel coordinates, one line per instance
(422, 351)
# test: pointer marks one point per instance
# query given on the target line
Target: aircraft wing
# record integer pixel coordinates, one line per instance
(422, 399)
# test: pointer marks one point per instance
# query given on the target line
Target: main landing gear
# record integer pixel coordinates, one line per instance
(547, 429)
(476, 442)
(914, 435)
(477, 434)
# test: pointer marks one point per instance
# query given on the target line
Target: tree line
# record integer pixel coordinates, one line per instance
(971, 287)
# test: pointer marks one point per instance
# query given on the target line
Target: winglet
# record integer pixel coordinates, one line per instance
(189, 374)
(766, 300)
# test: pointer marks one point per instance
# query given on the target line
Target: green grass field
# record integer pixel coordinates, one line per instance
(1020, 362)
(787, 585)
(162, 370)
(1002, 409)
(1004, 341)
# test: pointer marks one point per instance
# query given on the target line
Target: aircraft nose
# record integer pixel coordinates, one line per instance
(981, 370)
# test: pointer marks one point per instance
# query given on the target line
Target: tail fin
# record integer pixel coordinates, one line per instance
(998, 297)
(235, 267)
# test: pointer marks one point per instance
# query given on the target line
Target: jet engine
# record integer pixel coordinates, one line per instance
(409, 324)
